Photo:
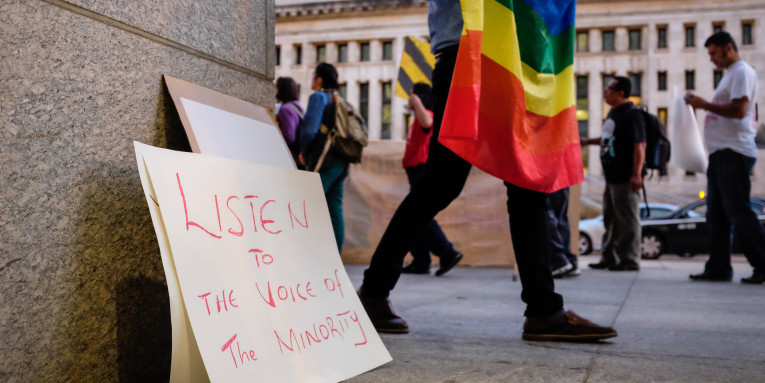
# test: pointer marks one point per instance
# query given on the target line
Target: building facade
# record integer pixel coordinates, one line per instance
(364, 40)
(658, 44)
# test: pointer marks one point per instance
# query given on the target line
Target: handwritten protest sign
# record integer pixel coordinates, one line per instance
(253, 253)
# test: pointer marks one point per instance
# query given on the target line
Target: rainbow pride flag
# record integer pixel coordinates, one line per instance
(511, 109)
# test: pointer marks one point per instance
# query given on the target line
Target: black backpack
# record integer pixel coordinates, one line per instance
(657, 148)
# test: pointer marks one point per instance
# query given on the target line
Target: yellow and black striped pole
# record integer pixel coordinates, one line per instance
(416, 66)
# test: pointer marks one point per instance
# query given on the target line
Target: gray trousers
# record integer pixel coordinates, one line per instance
(621, 218)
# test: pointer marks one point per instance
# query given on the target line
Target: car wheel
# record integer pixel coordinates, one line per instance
(585, 244)
(652, 246)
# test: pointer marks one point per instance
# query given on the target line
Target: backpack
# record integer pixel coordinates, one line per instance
(351, 134)
(657, 150)
(348, 137)
(657, 147)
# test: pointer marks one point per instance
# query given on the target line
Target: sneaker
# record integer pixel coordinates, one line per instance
(447, 265)
(575, 272)
(380, 312)
(704, 277)
(559, 272)
(755, 279)
(565, 326)
(625, 266)
(412, 269)
(600, 265)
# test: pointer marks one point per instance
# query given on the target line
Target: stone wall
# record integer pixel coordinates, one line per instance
(85, 298)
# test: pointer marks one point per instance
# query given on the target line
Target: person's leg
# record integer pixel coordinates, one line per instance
(444, 178)
(531, 242)
(736, 188)
(607, 258)
(627, 223)
(720, 227)
(420, 249)
(545, 318)
(431, 240)
(332, 180)
(557, 204)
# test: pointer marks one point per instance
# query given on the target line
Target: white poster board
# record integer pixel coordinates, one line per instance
(218, 124)
(222, 133)
(253, 271)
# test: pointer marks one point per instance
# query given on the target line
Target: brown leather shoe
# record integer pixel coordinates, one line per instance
(565, 327)
(381, 314)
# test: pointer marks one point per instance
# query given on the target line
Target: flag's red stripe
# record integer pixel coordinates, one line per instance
(520, 147)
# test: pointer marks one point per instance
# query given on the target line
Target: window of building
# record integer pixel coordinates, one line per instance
(690, 35)
(387, 53)
(718, 26)
(278, 55)
(637, 81)
(746, 32)
(387, 95)
(298, 54)
(690, 80)
(342, 53)
(717, 76)
(662, 114)
(661, 33)
(582, 41)
(608, 41)
(635, 37)
(321, 53)
(364, 47)
(582, 104)
(662, 81)
(636, 94)
(364, 100)
(343, 90)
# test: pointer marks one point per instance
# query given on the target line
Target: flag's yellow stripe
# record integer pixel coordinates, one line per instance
(472, 15)
(546, 94)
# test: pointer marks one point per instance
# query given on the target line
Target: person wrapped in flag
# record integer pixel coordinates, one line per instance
(475, 102)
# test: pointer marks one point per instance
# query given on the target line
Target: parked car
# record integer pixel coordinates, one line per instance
(685, 231)
(591, 230)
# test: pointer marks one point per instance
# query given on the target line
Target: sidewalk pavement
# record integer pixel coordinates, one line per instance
(466, 327)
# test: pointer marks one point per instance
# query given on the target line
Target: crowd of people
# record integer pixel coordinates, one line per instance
(538, 221)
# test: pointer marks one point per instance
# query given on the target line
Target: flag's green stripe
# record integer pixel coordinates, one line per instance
(539, 49)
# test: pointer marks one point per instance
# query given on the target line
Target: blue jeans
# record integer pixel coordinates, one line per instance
(560, 230)
(728, 188)
(332, 180)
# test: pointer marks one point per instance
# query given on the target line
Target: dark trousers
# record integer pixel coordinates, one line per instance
(560, 231)
(444, 178)
(432, 240)
(728, 188)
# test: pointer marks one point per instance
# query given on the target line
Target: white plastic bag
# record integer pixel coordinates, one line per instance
(688, 150)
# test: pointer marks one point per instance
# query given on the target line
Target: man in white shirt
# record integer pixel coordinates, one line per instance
(729, 131)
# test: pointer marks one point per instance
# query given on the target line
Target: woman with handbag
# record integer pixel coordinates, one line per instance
(318, 122)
